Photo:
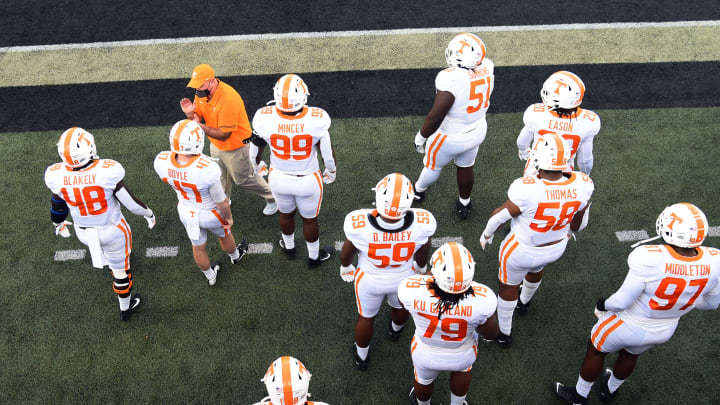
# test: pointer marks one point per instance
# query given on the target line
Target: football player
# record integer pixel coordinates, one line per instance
(541, 209)
(456, 125)
(560, 113)
(448, 309)
(664, 282)
(391, 242)
(293, 131)
(287, 382)
(91, 190)
(202, 203)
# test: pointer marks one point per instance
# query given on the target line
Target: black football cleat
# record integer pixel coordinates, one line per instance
(289, 253)
(522, 308)
(419, 195)
(412, 397)
(242, 247)
(463, 211)
(605, 394)
(505, 341)
(360, 364)
(392, 334)
(323, 256)
(134, 304)
(568, 394)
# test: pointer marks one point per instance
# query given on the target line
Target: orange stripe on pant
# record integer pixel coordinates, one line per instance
(611, 327)
(222, 220)
(320, 184)
(123, 226)
(360, 275)
(430, 151)
(435, 152)
(504, 255)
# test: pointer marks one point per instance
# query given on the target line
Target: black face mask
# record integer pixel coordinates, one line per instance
(202, 93)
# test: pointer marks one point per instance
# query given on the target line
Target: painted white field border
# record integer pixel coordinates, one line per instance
(714, 231)
(260, 248)
(631, 236)
(65, 255)
(437, 242)
(162, 251)
(367, 33)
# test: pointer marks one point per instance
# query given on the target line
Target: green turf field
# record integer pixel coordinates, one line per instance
(62, 340)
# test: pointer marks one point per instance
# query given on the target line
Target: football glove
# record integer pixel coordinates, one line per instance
(600, 310)
(524, 154)
(417, 269)
(150, 219)
(261, 169)
(329, 176)
(486, 240)
(420, 143)
(62, 228)
(347, 273)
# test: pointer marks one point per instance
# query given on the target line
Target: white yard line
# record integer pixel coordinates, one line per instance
(260, 248)
(338, 34)
(64, 255)
(437, 242)
(631, 236)
(162, 251)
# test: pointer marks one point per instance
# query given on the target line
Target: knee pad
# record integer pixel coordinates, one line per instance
(122, 286)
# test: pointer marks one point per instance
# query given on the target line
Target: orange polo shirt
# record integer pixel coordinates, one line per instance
(226, 111)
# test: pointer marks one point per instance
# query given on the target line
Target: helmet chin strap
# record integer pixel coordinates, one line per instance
(643, 241)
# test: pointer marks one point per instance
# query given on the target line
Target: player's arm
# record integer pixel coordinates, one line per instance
(498, 218)
(328, 155)
(58, 213)
(421, 258)
(577, 224)
(628, 293)
(523, 142)
(443, 102)
(347, 269)
(223, 203)
(710, 300)
(490, 329)
(134, 205)
(585, 155)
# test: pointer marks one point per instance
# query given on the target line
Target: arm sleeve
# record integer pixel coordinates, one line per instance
(525, 138)
(216, 192)
(58, 209)
(131, 204)
(326, 151)
(709, 300)
(585, 155)
(496, 221)
(630, 290)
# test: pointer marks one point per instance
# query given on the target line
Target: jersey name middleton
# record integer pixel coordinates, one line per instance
(388, 251)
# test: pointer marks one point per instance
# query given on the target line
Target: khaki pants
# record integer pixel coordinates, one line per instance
(235, 166)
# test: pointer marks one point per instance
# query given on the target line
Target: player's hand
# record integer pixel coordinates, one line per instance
(228, 223)
(420, 143)
(150, 219)
(524, 154)
(261, 169)
(486, 240)
(329, 176)
(600, 310)
(417, 269)
(347, 273)
(62, 228)
(187, 106)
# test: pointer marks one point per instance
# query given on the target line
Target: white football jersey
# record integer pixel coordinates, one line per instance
(190, 181)
(547, 207)
(456, 328)
(673, 283)
(576, 130)
(292, 138)
(388, 252)
(472, 90)
(89, 192)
